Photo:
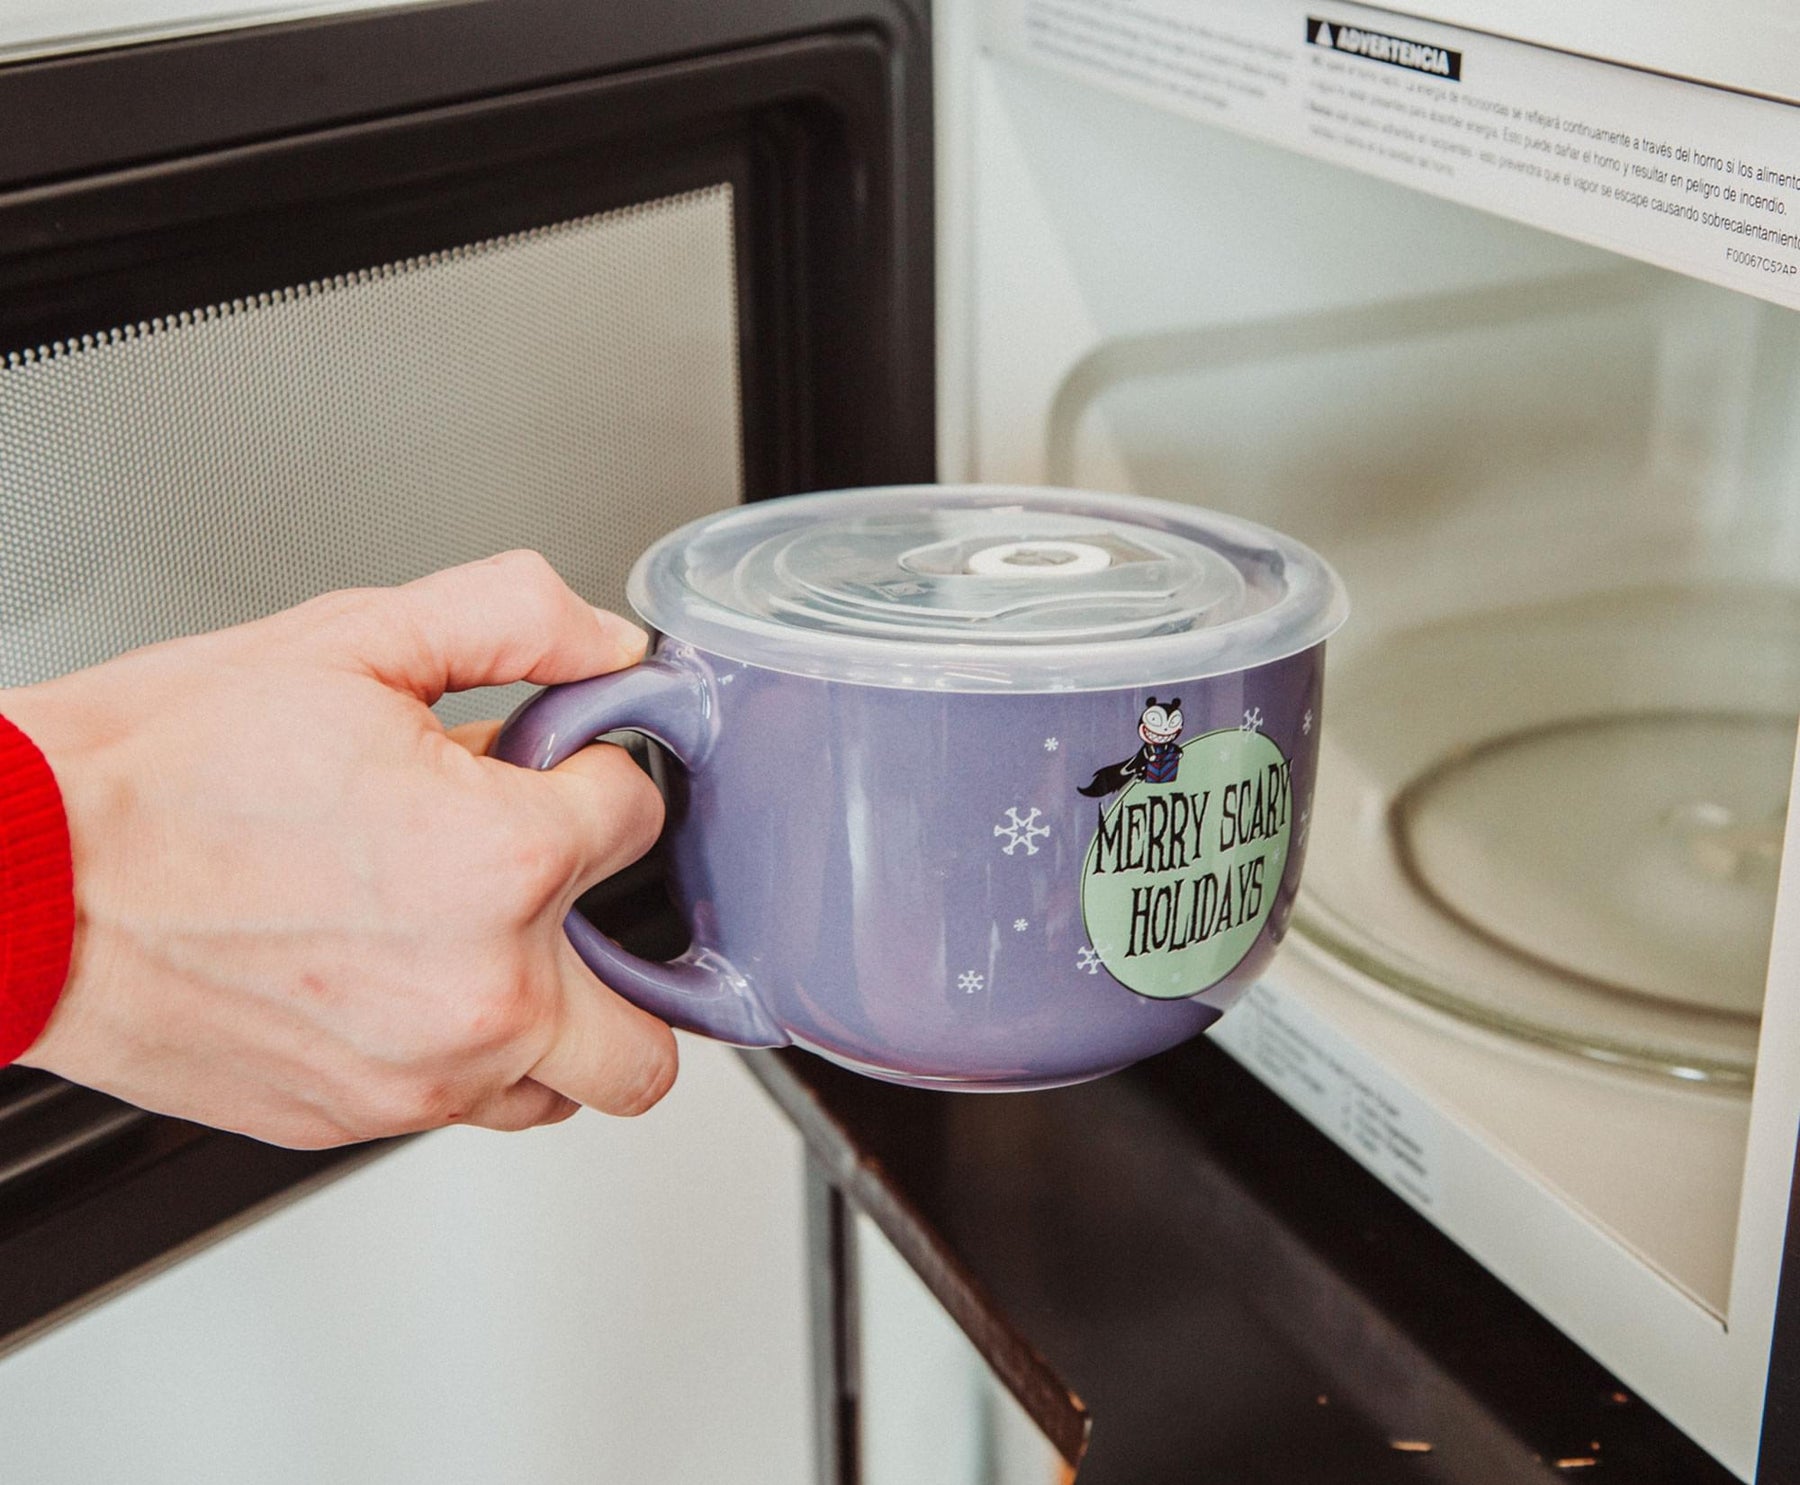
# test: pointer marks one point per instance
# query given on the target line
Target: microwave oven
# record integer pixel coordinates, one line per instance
(1494, 305)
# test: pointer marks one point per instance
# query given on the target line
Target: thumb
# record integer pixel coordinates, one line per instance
(490, 623)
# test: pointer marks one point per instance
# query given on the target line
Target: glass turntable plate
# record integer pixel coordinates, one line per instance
(1565, 822)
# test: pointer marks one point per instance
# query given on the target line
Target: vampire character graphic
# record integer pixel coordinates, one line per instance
(1155, 763)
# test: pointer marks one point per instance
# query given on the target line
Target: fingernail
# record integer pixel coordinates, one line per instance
(630, 640)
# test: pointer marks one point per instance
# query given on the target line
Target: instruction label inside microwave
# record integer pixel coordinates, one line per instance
(1691, 177)
(1337, 1088)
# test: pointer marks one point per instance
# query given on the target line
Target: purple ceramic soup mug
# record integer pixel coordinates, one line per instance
(975, 787)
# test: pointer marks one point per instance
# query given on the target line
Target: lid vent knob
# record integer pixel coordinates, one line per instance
(1038, 559)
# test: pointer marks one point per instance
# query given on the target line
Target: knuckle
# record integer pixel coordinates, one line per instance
(345, 612)
(540, 872)
(529, 575)
(526, 564)
(531, 869)
(499, 1013)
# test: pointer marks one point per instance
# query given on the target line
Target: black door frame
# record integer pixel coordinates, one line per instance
(172, 175)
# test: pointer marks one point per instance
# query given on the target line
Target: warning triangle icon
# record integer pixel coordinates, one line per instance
(1324, 36)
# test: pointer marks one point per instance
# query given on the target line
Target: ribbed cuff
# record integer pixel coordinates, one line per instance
(37, 893)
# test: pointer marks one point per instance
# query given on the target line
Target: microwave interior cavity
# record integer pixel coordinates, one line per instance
(1563, 490)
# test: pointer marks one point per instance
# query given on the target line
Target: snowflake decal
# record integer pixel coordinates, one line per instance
(1252, 720)
(1020, 925)
(969, 982)
(727, 678)
(1306, 721)
(1305, 823)
(1087, 959)
(1022, 830)
(1051, 745)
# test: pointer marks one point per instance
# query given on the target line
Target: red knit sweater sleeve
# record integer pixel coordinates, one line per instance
(37, 893)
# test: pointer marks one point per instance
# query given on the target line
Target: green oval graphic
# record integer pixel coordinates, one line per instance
(1181, 876)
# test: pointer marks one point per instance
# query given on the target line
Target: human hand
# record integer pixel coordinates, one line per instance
(306, 912)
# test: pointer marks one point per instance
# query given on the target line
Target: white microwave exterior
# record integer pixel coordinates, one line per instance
(1748, 45)
(1027, 290)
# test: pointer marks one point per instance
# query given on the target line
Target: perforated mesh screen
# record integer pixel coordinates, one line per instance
(572, 389)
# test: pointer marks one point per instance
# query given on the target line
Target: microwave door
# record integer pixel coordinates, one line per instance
(289, 305)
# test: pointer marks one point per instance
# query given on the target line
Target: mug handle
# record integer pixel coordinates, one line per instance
(672, 703)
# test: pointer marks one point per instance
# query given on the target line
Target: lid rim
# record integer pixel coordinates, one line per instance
(1310, 607)
(948, 682)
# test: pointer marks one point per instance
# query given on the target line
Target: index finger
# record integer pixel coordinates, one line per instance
(508, 618)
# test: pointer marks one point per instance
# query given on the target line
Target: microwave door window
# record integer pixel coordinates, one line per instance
(572, 389)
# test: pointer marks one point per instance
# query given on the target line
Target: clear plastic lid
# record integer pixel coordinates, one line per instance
(987, 588)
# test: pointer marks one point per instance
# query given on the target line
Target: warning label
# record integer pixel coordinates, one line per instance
(1337, 1086)
(1695, 179)
(1396, 51)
